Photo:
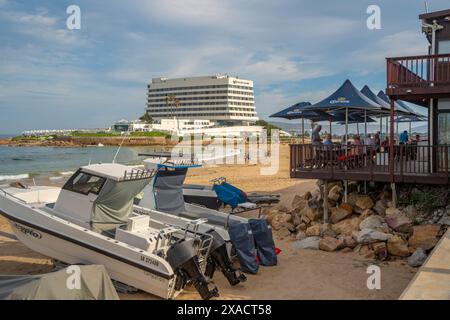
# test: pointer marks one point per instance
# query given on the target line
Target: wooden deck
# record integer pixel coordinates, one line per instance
(331, 164)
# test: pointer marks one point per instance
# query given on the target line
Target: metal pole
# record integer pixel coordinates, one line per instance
(303, 130)
(346, 131)
(391, 144)
(365, 125)
(325, 201)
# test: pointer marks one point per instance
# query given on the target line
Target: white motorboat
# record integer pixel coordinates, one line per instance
(91, 221)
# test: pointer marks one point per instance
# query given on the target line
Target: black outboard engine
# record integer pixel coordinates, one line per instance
(218, 257)
(183, 259)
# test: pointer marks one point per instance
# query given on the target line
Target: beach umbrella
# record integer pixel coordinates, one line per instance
(346, 98)
(294, 112)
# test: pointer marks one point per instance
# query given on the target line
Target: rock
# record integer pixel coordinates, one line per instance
(399, 222)
(335, 193)
(300, 235)
(326, 230)
(313, 214)
(305, 219)
(380, 207)
(338, 214)
(367, 252)
(380, 250)
(331, 244)
(445, 220)
(350, 242)
(362, 203)
(352, 198)
(347, 226)
(346, 250)
(366, 236)
(417, 258)
(307, 195)
(372, 222)
(284, 232)
(311, 243)
(299, 202)
(313, 230)
(296, 219)
(411, 212)
(424, 236)
(347, 207)
(289, 226)
(396, 246)
(366, 213)
(393, 211)
(301, 227)
(286, 217)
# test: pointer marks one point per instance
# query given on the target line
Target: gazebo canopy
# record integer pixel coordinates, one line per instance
(346, 96)
(293, 112)
(385, 106)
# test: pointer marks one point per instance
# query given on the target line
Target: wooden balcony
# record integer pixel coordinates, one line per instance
(411, 163)
(418, 77)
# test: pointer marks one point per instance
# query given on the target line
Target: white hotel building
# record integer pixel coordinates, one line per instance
(221, 99)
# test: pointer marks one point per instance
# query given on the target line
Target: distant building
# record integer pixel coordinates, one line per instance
(223, 99)
(130, 126)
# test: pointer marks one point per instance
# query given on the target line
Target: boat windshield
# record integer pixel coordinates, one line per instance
(84, 183)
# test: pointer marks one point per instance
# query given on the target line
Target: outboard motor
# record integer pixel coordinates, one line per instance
(218, 257)
(183, 259)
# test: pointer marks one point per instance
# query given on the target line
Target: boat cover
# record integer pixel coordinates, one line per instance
(242, 238)
(265, 246)
(115, 203)
(229, 194)
(95, 284)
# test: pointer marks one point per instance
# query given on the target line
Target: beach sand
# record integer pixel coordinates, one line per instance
(300, 274)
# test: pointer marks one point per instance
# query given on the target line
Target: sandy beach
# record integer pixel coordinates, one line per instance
(300, 274)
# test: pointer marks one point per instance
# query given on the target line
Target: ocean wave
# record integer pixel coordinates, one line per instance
(66, 173)
(14, 176)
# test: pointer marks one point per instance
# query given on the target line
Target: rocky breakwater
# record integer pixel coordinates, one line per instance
(366, 223)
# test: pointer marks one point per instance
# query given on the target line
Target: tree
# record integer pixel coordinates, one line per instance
(266, 125)
(146, 118)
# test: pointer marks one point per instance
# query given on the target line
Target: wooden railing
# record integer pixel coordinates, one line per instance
(418, 71)
(368, 161)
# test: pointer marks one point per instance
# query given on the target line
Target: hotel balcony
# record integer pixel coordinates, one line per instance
(418, 78)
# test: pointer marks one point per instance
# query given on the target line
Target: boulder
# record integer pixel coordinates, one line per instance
(380, 250)
(380, 207)
(301, 227)
(299, 202)
(326, 230)
(307, 195)
(367, 252)
(350, 242)
(399, 222)
(424, 236)
(372, 222)
(366, 213)
(313, 230)
(393, 211)
(311, 243)
(417, 258)
(300, 235)
(338, 214)
(285, 217)
(289, 226)
(352, 198)
(411, 212)
(347, 226)
(347, 207)
(331, 244)
(366, 236)
(283, 232)
(396, 246)
(445, 220)
(362, 203)
(313, 214)
(335, 193)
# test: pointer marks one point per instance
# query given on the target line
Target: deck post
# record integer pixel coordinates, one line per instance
(325, 201)
(345, 190)
(394, 195)
(391, 143)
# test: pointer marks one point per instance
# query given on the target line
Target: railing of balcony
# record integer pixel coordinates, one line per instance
(418, 71)
(409, 159)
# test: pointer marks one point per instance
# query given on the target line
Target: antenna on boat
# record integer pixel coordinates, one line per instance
(118, 149)
(426, 7)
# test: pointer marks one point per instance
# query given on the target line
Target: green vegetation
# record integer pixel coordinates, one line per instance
(149, 134)
(426, 200)
(266, 125)
(95, 134)
(146, 118)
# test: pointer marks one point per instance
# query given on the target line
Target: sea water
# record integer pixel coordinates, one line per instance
(29, 162)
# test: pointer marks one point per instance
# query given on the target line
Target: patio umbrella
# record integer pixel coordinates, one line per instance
(297, 111)
(346, 97)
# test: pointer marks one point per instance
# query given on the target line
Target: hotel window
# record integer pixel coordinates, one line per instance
(444, 46)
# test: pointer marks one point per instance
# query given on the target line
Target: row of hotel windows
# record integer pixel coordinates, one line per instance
(244, 93)
(200, 87)
(206, 104)
(150, 110)
(205, 98)
(190, 115)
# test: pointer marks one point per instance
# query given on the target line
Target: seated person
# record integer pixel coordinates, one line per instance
(404, 137)
(328, 141)
(357, 146)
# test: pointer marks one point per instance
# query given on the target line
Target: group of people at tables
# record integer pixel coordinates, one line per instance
(357, 147)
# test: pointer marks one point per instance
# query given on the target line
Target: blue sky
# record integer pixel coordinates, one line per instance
(52, 77)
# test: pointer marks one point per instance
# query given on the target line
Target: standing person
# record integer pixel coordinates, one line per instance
(315, 136)
(377, 139)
